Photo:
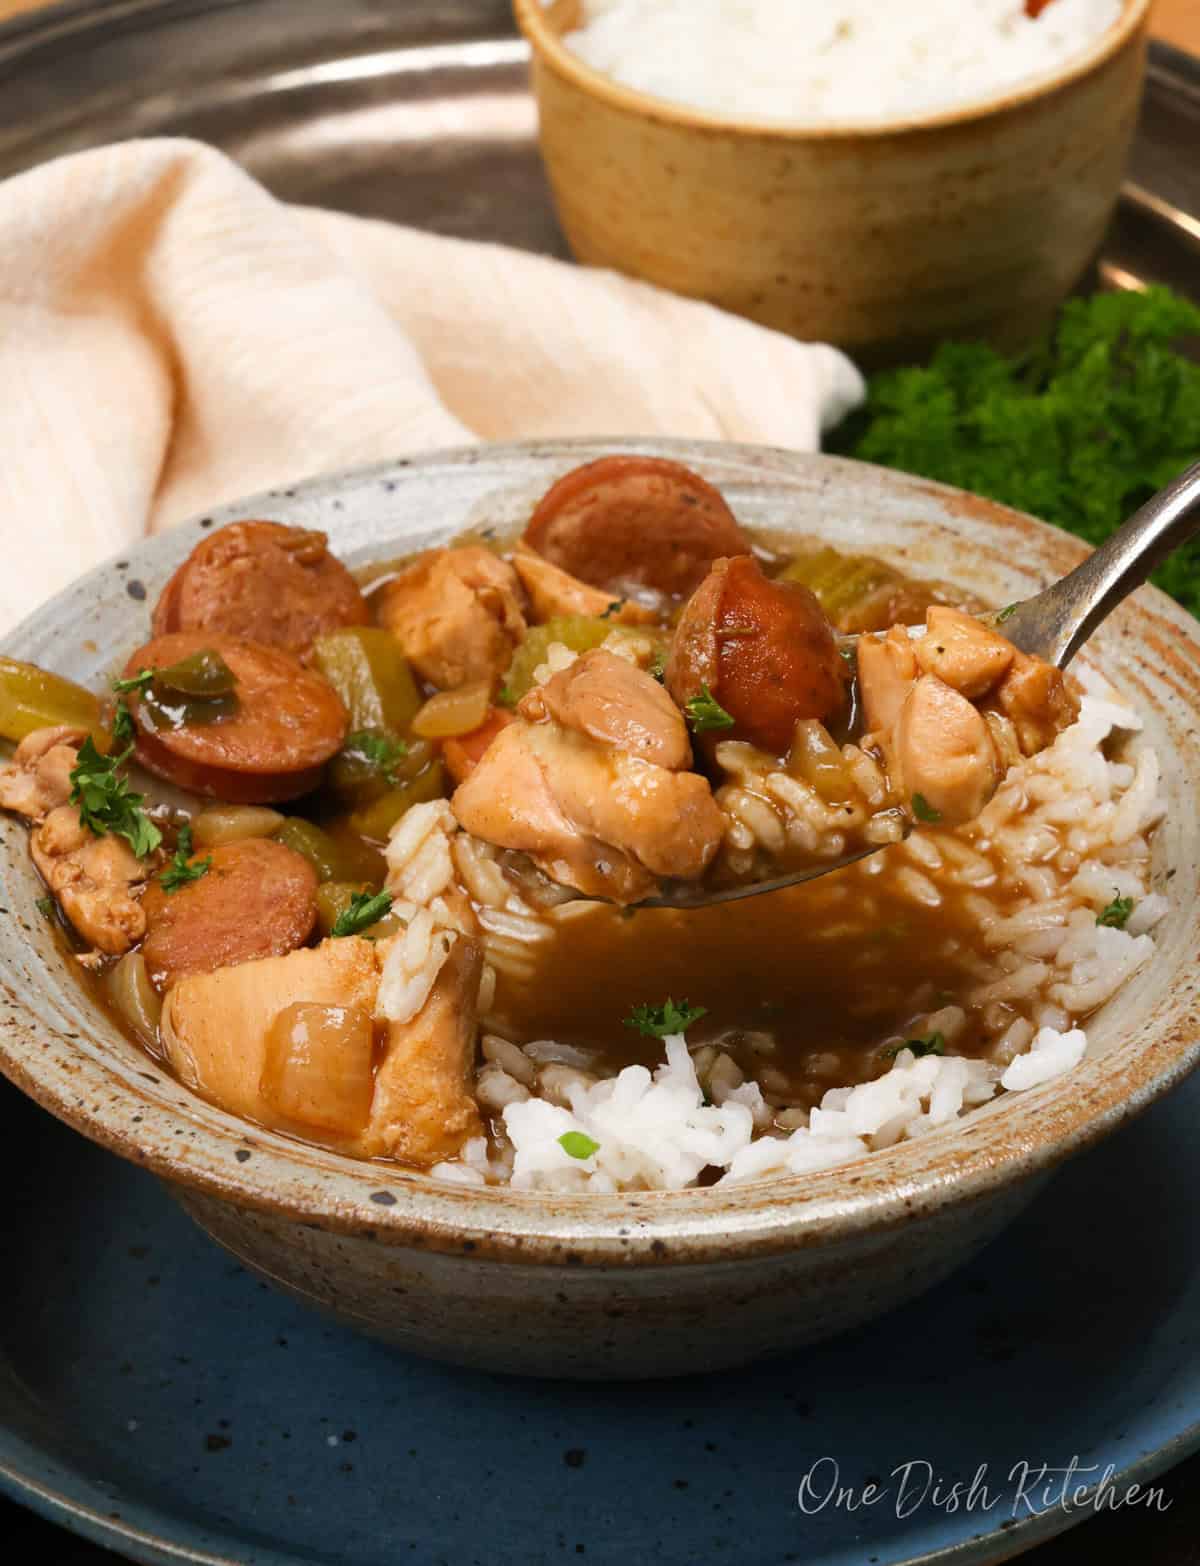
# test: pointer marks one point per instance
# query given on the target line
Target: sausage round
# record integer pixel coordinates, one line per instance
(764, 649)
(262, 581)
(286, 725)
(634, 521)
(258, 899)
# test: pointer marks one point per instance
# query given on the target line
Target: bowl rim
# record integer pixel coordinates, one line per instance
(234, 1161)
(546, 43)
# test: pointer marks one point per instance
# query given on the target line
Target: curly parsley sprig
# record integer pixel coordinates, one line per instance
(1116, 915)
(181, 871)
(935, 1044)
(364, 910)
(656, 1022)
(705, 712)
(1080, 429)
(106, 802)
(380, 749)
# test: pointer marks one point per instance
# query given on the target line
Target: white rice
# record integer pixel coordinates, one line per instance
(821, 61)
(420, 858)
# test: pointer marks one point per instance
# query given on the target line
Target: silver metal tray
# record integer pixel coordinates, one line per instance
(418, 111)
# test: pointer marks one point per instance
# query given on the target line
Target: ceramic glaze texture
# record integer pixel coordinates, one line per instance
(645, 1284)
(882, 239)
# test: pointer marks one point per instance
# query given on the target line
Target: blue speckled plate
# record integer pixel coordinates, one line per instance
(156, 1398)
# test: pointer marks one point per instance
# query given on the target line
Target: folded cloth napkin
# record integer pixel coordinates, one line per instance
(172, 337)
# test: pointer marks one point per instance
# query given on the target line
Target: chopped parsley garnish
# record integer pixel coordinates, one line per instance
(578, 1144)
(506, 697)
(705, 712)
(658, 666)
(1116, 915)
(924, 811)
(44, 906)
(614, 608)
(1079, 429)
(137, 682)
(365, 909)
(380, 749)
(122, 725)
(106, 803)
(179, 872)
(656, 1022)
(935, 1044)
(1007, 613)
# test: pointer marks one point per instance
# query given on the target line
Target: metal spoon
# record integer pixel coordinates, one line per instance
(1054, 626)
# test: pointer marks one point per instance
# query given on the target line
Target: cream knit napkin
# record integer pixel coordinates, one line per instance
(172, 337)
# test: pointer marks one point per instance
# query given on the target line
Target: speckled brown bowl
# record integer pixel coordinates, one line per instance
(881, 238)
(650, 1284)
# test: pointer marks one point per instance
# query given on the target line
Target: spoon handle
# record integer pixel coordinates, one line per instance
(1056, 623)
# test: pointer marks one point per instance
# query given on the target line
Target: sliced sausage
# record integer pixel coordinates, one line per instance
(258, 899)
(287, 722)
(262, 581)
(764, 649)
(626, 522)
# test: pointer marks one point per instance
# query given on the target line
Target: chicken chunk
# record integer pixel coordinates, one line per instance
(423, 1110)
(962, 651)
(216, 1026)
(595, 818)
(38, 778)
(613, 702)
(456, 613)
(944, 753)
(553, 592)
(93, 878)
(1039, 700)
(222, 1035)
(887, 672)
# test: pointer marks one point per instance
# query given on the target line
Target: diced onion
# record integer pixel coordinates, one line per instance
(233, 823)
(319, 1067)
(134, 999)
(454, 712)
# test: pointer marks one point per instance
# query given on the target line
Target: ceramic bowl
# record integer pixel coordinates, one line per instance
(881, 238)
(647, 1284)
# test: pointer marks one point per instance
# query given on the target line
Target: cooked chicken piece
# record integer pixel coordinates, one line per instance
(962, 651)
(554, 592)
(216, 1026)
(39, 776)
(1039, 700)
(615, 703)
(93, 879)
(456, 613)
(423, 1110)
(595, 818)
(887, 672)
(222, 1034)
(508, 800)
(943, 751)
